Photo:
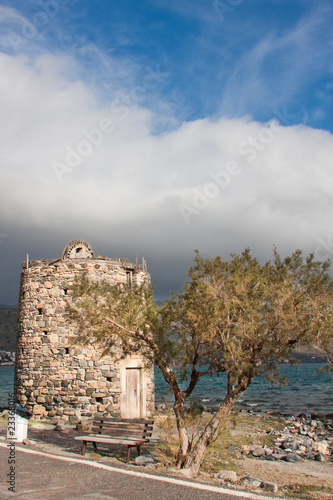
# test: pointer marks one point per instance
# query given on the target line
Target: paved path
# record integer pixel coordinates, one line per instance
(41, 476)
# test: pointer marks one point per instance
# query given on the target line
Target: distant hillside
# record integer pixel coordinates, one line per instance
(8, 326)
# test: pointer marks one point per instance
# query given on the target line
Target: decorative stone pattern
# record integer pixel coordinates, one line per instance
(53, 376)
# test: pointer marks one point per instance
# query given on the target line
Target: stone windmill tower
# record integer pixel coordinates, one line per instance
(54, 377)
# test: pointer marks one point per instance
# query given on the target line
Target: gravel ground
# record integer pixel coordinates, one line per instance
(305, 479)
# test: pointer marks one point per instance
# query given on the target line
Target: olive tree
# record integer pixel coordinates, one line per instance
(236, 316)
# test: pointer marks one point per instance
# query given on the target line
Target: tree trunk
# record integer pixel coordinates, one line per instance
(184, 442)
(194, 459)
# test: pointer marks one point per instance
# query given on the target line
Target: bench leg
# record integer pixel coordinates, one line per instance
(138, 449)
(84, 444)
(128, 454)
(95, 447)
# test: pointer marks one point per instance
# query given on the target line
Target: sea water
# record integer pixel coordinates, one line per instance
(305, 392)
(6, 384)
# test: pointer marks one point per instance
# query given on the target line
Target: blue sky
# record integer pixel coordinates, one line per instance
(224, 58)
(221, 134)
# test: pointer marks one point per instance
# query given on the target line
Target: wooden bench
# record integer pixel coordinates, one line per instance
(127, 431)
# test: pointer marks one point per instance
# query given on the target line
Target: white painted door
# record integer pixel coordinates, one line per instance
(133, 393)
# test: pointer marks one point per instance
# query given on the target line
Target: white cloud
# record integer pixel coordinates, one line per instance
(129, 190)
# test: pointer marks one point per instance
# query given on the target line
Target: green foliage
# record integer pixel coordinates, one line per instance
(110, 315)
(266, 310)
(238, 316)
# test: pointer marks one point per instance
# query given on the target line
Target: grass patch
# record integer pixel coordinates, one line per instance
(307, 492)
(241, 429)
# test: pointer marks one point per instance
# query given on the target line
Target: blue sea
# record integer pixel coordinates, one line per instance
(306, 391)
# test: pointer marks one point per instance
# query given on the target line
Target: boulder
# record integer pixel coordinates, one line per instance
(319, 457)
(258, 452)
(59, 427)
(277, 456)
(292, 457)
(271, 487)
(271, 457)
(322, 447)
(145, 460)
(227, 475)
(251, 481)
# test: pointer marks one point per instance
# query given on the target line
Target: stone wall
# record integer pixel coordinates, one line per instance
(55, 377)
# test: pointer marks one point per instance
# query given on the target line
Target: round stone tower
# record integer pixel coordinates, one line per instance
(53, 376)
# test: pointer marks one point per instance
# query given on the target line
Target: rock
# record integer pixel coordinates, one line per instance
(145, 460)
(317, 416)
(276, 456)
(232, 447)
(289, 445)
(109, 408)
(251, 481)
(307, 443)
(271, 487)
(186, 472)
(227, 475)
(258, 452)
(73, 419)
(39, 410)
(319, 457)
(292, 457)
(322, 447)
(271, 457)
(59, 427)
(109, 374)
(83, 426)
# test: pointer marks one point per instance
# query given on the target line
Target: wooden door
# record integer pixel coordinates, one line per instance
(133, 393)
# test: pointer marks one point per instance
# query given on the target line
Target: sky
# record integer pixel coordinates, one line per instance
(163, 126)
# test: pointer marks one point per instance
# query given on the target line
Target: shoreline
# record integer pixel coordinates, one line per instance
(306, 393)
